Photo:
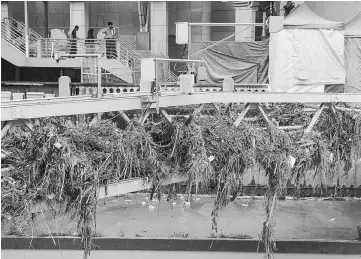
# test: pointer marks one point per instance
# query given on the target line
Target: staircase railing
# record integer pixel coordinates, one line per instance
(122, 51)
(12, 35)
(21, 27)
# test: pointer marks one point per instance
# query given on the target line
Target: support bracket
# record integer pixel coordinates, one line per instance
(145, 114)
(15, 123)
(124, 116)
(315, 118)
(195, 112)
(242, 114)
(217, 108)
(166, 115)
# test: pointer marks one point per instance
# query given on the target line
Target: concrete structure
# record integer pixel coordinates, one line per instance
(159, 28)
(79, 15)
(244, 14)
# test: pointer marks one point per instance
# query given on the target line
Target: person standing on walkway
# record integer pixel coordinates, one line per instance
(73, 44)
(110, 41)
(90, 41)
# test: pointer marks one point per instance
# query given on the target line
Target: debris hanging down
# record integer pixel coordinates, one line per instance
(64, 166)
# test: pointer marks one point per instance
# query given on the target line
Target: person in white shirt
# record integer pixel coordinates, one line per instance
(110, 41)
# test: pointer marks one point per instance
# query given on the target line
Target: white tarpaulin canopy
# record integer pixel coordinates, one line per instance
(353, 55)
(307, 54)
(353, 27)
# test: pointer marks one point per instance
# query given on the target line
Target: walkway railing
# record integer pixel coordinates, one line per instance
(124, 52)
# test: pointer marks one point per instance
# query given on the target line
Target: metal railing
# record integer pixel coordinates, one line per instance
(21, 28)
(122, 51)
(12, 35)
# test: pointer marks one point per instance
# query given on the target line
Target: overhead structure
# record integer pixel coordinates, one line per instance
(307, 54)
(353, 55)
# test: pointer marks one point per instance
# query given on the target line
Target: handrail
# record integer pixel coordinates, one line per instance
(124, 52)
(13, 36)
(31, 31)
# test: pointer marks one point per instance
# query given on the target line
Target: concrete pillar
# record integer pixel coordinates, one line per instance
(200, 12)
(17, 74)
(244, 14)
(79, 16)
(4, 14)
(159, 28)
(4, 10)
(26, 29)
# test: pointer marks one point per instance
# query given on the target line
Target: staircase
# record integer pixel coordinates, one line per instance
(124, 63)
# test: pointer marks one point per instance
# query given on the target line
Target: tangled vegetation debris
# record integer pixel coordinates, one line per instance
(64, 166)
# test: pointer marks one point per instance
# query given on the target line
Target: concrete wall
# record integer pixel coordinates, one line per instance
(222, 12)
(123, 14)
(190, 11)
(58, 15)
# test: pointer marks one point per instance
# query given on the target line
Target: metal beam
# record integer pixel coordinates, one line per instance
(217, 108)
(195, 112)
(180, 60)
(241, 97)
(26, 29)
(124, 116)
(144, 116)
(264, 115)
(40, 108)
(315, 118)
(16, 123)
(242, 114)
(225, 24)
(166, 115)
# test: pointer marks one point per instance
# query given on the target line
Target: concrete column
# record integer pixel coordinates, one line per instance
(200, 12)
(17, 74)
(244, 14)
(26, 30)
(4, 10)
(159, 28)
(79, 16)
(4, 14)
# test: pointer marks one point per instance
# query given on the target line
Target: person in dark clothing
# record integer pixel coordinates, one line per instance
(73, 43)
(110, 41)
(90, 41)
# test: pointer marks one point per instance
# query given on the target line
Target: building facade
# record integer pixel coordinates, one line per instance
(159, 36)
(163, 15)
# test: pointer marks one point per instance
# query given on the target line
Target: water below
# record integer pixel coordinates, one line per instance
(134, 215)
